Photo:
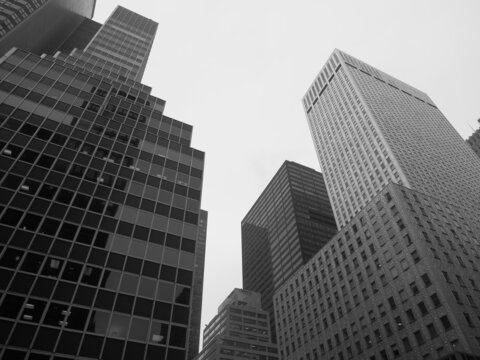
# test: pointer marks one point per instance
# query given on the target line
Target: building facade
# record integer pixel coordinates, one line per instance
(474, 141)
(400, 281)
(197, 287)
(40, 26)
(291, 220)
(370, 128)
(239, 331)
(100, 205)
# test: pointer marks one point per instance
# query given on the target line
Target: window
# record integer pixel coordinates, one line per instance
(446, 323)
(419, 337)
(432, 331)
(426, 280)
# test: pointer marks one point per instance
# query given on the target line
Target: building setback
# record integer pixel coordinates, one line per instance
(240, 330)
(291, 220)
(99, 204)
(474, 141)
(401, 278)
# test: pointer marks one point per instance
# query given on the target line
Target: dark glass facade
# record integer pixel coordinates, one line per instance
(40, 26)
(99, 210)
(197, 287)
(291, 220)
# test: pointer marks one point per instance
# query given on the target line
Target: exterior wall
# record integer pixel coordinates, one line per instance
(239, 331)
(197, 288)
(395, 133)
(81, 37)
(99, 215)
(400, 280)
(13, 13)
(47, 25)
(287, 225)
(123, 44)
(474, 141)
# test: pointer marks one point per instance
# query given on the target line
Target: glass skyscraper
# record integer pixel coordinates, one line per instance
(40, 26)
(102, 236)
(290, 221)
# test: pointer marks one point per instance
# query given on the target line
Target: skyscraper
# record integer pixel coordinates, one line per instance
(40, 26)
(474, 141)
(99, 206)
(291, 220)
(401, 278)
(370, 128)
(240, 330)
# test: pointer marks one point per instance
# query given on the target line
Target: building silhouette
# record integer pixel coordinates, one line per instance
(102, 236)
(240, 330)
(474, 141)
(290, 221)
(401, 278)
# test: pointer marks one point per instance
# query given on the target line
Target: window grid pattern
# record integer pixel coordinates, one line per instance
(369, 128)
(376, 290)
(100, 198)
(240, 330)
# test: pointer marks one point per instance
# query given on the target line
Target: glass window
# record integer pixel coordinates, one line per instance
(56, 314)
(52, 267)
(77, 318)
(11, 306)
(98, 322)
(91, 275)
(158, 333)
(111, 280)
(11, 258)
(138, 329)
(32, 263)
(129, 283)
(118, 326)
(72, 271)
(165, 291)
(178, 336)
(147, 287)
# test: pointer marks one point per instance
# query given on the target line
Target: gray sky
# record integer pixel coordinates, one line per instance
(237, 70)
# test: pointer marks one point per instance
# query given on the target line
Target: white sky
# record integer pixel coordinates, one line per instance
(237, 70)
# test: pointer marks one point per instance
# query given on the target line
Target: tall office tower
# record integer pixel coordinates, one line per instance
(240, 330)
(291, 220)
(401, 278)
(370, 128)
(474, 141)
(400, 281)
(40, 26)
(99, 205)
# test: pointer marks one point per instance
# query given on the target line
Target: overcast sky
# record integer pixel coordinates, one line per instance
(237, 70)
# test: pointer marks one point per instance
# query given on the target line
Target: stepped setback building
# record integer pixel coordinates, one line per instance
(102, 237)
(240, 330)
(474, 141)
(401, 278)
(291, 220)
